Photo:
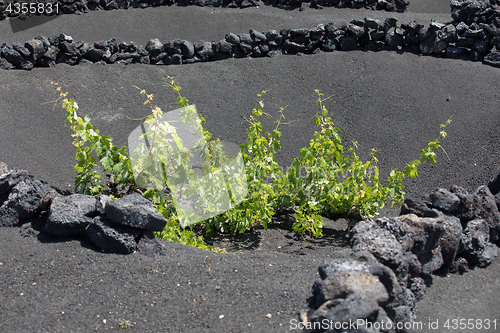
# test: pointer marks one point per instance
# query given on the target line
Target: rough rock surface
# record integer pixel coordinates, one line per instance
(69, 216)
(119, 226)
(23, 202)
(111, 237)
(352, 290)
(135, 211)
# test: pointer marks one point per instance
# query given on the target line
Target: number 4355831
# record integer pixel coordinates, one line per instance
(471, 324)
(32, 8)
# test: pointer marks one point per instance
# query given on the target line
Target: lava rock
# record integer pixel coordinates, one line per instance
(204, 50)
(338, 266)
(393, 40)
(145, 60)
(495, 41)
(351, 308)
(480, 205)
(127, 55)
(439, 46)
(368, 236)
(172, 47)
(94, 54)
(425, 33)
(387, 277)
(84, 49)
(418, 287)
(489, 211)
(11, 178)
(425, 232)
(443, 200)
(398, 229)
(258, 36)
(377, 36)
(412, 27)
(492, 59)
(12, 55)
(431, 261)
(175, 59)
(136, 211)
(330, 45)
(27, 230)
(21, 49)
(357, 31)
(351, 289)
(233, 39)
(27, 64)
(45, 41)
(112, 238)
(66, 59)
(477, 33)
(450, 241)
(4, 64)
(68, 48)
(51, 53)
(274, 52)
(154, 46)
(107, 56)
(448, 33)
(46, 201)
(187, 49)
(334, 30)
(454, 52)
(352, 282)
(482, 45)
(246, 43)
(348, 43)
(476, 56)
(461, 28)
(464, 42)
(23, 202)
(69, 216)
(317, 33)
(112, 45)
(127, 47)
(436, 25)
(389, 23)
(157, 57)
(372, 23)
(225, 47)
(475, 238)
(36, 48)
(292, 47)
(489, 254)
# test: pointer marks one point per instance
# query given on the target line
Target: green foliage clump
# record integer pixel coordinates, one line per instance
(335, 182)
(112, 159)
(93, 150)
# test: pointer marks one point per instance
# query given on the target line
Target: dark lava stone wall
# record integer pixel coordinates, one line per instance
(473, 34)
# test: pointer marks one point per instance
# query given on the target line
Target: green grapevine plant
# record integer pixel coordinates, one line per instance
(335, 182)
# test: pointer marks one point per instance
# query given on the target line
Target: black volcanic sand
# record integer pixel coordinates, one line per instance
(390, 101)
